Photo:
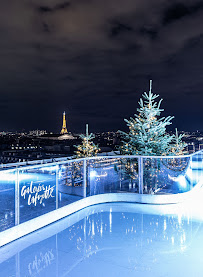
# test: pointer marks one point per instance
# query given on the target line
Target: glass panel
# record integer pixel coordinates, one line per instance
(7, 199)
(70, 182)
(37, 191)
(196, 169)
(47, 187)
(112, 174)
(166, 175)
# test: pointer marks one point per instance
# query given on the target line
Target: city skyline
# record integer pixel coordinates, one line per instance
(63, 129)
(94, 60)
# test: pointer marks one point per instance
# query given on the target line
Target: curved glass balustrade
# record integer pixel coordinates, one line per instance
(28, 191)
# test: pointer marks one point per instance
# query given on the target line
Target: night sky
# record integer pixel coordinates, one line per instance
(94, 59)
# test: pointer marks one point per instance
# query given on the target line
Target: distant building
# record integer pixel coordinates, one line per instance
(37, 133)
(66, 136)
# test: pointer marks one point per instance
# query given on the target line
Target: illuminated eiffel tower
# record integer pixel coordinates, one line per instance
(64, 129)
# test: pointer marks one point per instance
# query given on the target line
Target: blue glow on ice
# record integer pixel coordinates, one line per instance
(111, 240)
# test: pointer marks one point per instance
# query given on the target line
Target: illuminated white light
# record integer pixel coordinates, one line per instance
(110, 220)
(93, 173)
(60, 174)
(196, 164)
(189, 173)
(8, 176)
(179, 219)
(25, 177)
(93, 232)
(182, 181)
(49, 168)
(172, 178)
(101, 230)
(108, 168)
(165, 225)
(102, 175)
(12, 176)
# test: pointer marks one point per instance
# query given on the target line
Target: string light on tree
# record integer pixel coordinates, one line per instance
(87, 148)
(179, 145)
(147, 131)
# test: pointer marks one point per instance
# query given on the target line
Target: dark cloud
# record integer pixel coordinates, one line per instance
(179, 10)
(46, 27)
(119, 28)
(95, 58)
(151, 31)
(44, 9)
(57, 7)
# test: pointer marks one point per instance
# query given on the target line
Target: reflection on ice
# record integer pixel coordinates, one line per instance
(123, 239)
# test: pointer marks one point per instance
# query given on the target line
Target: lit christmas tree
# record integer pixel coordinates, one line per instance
(147, 131)
(87, 148)
(179, 145)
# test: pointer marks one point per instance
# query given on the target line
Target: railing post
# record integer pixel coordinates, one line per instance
(17, 199)
(140, 174)
(84, 177)
(57, 185)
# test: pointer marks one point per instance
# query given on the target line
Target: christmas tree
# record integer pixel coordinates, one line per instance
(147, 131)
(178, 146)
(87, 148)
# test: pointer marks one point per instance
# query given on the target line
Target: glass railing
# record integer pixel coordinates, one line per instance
(28, 191)
(112, 174)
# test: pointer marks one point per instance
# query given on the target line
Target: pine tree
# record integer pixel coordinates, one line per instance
(178, 146)
(87, 148)
(147, 131)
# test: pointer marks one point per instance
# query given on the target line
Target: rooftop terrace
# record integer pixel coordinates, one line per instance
(36, 194)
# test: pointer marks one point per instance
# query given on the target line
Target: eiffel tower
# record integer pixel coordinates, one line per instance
(64, 129)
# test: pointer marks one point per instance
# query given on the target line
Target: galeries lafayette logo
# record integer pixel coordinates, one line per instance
(37, 193)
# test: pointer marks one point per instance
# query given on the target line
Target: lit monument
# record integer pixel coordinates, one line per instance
(64, 129)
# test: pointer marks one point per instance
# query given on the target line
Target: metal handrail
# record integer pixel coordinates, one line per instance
(48, 162)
